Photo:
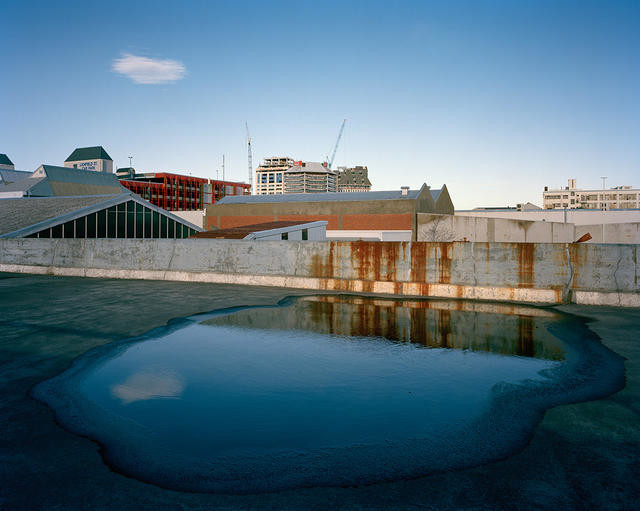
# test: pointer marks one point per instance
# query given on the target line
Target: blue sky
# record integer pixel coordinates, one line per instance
(494, 98)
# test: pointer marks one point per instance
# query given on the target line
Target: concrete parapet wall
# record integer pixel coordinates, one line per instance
(527, 272)
(471, 228)
(613, 233)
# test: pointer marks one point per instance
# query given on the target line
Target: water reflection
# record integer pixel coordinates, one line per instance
(494, 328)
(321, 390)
(144, 385)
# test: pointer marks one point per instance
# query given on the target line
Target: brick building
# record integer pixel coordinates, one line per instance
(357, 211)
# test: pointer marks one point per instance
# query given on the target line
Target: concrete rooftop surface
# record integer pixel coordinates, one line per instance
(581, 456)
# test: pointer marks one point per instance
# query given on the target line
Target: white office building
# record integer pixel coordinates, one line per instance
(572, 197)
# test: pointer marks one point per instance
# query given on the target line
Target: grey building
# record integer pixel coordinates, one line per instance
(354, 179)
(310, 177)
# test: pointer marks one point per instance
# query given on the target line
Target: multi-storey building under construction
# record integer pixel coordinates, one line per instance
(270, 175)
(310, 177)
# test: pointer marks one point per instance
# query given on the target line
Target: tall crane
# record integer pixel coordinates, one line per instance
(249, 156)
(335, 147)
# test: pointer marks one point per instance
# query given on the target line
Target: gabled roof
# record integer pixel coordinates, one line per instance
(321, 197)
(27, 215)
(4, 160)
(89, 153)
(64, 181)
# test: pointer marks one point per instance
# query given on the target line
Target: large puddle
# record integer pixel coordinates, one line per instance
(328, 390)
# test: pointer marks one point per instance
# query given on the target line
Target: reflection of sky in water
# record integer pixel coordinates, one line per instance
(148, 385)
(235, 390)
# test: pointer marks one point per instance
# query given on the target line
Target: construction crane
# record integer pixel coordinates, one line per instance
(335, 147)
(249, 157)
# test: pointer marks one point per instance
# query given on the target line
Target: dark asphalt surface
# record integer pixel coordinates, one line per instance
(582, 456)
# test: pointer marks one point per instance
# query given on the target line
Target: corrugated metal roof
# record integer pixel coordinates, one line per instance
(320, 197)
(89, 153)
(11, 176)
(37, 186)
(17, 214)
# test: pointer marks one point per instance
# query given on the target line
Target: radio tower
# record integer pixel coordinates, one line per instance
(249, 158)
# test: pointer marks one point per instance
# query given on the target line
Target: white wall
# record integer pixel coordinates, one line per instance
(574, 216)
(468, 228)
(196, 217)
(613, 233)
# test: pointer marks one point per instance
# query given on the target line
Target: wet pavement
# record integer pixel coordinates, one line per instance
(581, 456)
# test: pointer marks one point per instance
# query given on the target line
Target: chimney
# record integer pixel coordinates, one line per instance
(404, 190)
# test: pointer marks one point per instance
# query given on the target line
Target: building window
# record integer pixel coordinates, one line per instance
(305, 234)
(284, 236)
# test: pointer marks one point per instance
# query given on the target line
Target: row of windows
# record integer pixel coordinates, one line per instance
(128, 220)
(270, 178)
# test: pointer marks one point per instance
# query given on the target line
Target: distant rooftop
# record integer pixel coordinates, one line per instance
(310, 166)
(50, 180)
(4, 160)
(89, 153)
(326, 197)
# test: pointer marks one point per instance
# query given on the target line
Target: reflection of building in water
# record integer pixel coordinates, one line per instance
(503, 329)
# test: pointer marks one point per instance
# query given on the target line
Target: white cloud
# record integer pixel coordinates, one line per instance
(149, 71)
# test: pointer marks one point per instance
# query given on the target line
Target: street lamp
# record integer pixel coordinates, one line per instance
(603, 204)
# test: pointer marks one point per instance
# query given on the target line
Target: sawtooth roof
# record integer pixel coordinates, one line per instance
(89, 153)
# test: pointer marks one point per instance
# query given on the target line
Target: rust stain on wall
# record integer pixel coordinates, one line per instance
(577, 254)
(525, 264)
(375, 260)
(444, 263)
(323, 267)
(418, 271)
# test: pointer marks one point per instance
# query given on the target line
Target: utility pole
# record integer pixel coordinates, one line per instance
(223, 185)
(130, 159)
